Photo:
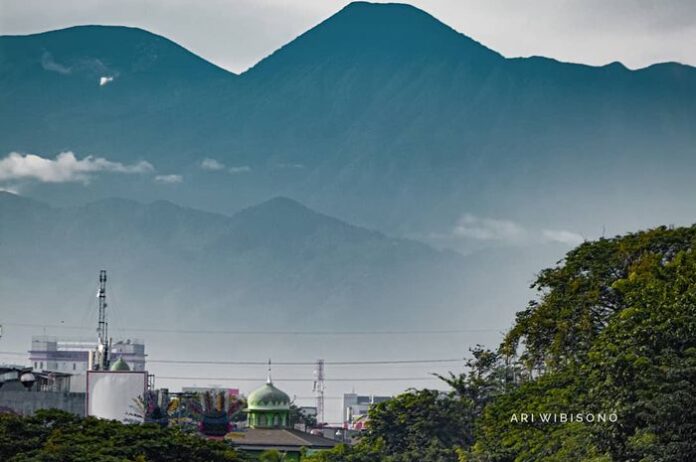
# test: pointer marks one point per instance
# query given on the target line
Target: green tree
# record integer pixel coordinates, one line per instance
(61, 437)
(430, 425)
(613, 331)
(272, 455)
(299, 417)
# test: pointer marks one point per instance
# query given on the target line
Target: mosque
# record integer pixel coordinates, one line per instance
(269, 427)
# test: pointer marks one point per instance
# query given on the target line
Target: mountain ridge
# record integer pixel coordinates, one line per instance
(405, 146)
(365, 5)
(246, 259)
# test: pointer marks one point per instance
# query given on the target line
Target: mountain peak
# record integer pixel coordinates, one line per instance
(378, 31)
(285, 215)
(279, 206)
(95, 50)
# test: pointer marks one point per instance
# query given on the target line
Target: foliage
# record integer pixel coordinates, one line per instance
(56, 436)
(299, 417)
(272, 455)
(428, 425)
(612, 333)
(578, 297)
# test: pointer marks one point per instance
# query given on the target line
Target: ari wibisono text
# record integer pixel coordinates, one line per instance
(562, 417)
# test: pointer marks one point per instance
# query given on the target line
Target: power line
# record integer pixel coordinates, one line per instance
(307, 363)
(270, 332)
(257, 379)
(287, 363)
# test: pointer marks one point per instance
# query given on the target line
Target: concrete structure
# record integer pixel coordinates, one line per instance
(71, 356)
(355, 408)
(116, 394)
(24, 391)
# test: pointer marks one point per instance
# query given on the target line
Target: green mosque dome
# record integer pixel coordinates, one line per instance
(120, 365)
(268, 407)
(268, 397)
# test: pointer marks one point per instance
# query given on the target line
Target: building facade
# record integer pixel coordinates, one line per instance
(24, 391)
(71, 356)
(355, 408)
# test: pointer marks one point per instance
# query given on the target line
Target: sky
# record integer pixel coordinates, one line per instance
(236, 34)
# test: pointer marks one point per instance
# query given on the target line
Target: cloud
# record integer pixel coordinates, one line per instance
(562, 236)
(215, 165)
(49, 64)
(169, 179)
(289, 166)
(212, 164)
(508, 231)
(105, 79)
(9, 189)
(489, 229)
(242, 169)
(65, 168)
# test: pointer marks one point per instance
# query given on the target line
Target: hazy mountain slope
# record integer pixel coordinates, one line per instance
(100, 89)
(277, 259)
(381, 115)
(414, 115)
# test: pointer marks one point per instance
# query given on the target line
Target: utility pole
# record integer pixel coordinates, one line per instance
(319, 389)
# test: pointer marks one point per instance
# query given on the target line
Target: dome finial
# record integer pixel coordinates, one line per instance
(268, 379)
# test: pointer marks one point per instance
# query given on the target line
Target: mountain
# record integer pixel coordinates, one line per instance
(277, 259)
(90, 86)
(381, 115)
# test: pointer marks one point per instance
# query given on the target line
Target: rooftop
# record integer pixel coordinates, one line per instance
(283, 439)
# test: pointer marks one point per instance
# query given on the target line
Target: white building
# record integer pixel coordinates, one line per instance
(355, 407)
(71, 356)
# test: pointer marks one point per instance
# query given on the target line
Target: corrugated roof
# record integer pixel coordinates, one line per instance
(279, 438)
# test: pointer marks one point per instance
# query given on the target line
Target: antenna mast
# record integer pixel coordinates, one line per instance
(102, 326)
(319, 389)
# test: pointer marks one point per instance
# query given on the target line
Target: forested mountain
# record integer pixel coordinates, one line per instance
(381, 115)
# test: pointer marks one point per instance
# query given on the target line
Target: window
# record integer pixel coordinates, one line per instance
(74, 366)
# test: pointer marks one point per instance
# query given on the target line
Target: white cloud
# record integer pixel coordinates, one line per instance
(489, 229)
(64, 168)
(242, 169)
(215, 165)
(212, 164)
(508, 231)
(105, 79)
(49, 64)
(169, 179)
(562, 236)
(9, 189)
(290, 166)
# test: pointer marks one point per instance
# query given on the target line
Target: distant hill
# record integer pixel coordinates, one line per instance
(380, 115)
(278, 260)
(98, 89)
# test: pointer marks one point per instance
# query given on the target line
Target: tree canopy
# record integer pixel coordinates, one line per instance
(56, 436)
(612, 332)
